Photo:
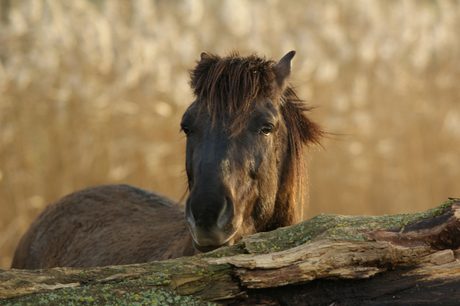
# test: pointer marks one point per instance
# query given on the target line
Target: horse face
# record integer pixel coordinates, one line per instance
(233, 179)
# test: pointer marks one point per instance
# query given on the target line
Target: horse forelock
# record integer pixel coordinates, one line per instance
(228, 87)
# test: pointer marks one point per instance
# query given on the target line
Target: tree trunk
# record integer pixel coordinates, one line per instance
(407, 259)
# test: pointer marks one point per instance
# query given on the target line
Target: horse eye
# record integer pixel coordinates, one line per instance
(185, 129)
(266, 129)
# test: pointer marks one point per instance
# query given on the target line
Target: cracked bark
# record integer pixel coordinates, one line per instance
(405, 259)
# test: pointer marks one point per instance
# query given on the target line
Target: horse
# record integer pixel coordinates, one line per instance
(246, 138)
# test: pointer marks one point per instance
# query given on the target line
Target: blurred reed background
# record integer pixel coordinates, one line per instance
(91, 92)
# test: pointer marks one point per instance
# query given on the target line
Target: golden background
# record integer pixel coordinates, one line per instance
(92, 92)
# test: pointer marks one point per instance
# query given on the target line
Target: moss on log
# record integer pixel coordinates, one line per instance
(408, 258)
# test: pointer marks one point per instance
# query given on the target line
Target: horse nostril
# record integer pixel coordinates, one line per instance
(210, 217)
(226, 214)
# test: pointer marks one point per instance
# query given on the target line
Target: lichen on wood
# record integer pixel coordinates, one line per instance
(419, 249)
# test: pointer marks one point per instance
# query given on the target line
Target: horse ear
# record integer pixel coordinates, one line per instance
(204, 56)
(283, 70)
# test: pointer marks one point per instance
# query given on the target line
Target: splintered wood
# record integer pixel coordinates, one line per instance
(329, 259)
(407, 259)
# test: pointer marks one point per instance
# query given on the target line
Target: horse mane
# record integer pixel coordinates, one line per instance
(302, 131)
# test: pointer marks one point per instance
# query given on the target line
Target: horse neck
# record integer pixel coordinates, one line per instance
(292, 195)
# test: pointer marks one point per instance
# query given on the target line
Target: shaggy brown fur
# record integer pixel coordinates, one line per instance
(243, 173)
(105, 225)
(229, 86)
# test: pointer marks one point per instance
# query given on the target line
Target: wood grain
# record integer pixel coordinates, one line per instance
(404, 259)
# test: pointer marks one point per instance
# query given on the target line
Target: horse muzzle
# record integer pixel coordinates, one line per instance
(210, 221)
(209, 239)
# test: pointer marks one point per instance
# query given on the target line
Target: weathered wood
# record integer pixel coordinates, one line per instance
(432, 285)
(404, 259)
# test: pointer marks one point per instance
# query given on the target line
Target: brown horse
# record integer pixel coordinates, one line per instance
(245, 162)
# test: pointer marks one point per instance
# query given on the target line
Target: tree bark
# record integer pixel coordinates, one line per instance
(408, 259)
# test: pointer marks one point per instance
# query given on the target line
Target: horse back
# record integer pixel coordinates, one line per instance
(105, 225)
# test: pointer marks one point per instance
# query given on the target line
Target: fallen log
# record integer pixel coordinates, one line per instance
(408, 259)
